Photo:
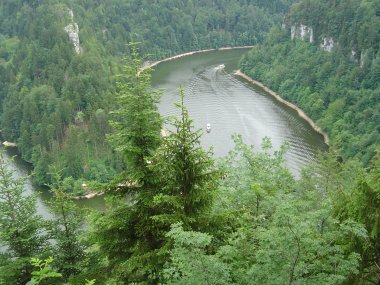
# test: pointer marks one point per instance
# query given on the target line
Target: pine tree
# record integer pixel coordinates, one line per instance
(132, 235)
(21, 229)
(126, 234)
(136, 121)
(65, 229)
(185, 172)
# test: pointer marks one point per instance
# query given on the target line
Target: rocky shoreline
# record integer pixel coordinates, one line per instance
(300, 112)
(89, 195)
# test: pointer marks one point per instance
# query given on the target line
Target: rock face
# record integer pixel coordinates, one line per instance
(306, 33)
(302, 32)
(328, 44)
(72, 30)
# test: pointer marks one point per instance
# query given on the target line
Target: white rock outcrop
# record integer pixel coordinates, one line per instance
(353, 56)
(363, 58)
(306, 33)
(302, 32)
(72, 30)
(328, 44)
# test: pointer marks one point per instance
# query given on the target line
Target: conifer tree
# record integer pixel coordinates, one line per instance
(65, 229)
(132, 235)
(21, 229)
(126, 234)
(186, 173)
(136, 121)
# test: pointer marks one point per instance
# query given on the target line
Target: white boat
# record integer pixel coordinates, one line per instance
(221, 66)
(208, 128)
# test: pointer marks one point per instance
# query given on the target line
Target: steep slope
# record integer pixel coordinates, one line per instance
(327, 61)
(58, 60)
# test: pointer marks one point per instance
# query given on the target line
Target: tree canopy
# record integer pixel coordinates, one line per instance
(339, 89)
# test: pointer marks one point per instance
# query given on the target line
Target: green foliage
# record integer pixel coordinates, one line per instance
(361, 204)
(21, 229)
(169, 27)
(44, 271)
(277, 230)
(177, 186)
(20, 225)
(65, 229)
(136, 120)
(251, 178)
(185, 173)
(55, 103)
(189, 263)
(14, 271)
(45, 86)
(127, 235)
(173, 216)
(338, 88)
(291, 249)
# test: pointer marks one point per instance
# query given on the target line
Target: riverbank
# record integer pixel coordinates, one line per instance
(9, 144)
(155, 63)
(89, 195)
(300, 112)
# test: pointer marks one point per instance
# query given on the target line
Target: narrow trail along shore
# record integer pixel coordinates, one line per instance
(300, 112)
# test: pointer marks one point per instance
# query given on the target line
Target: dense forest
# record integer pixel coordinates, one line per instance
(81, 109)
(327, 61)
(56, 93)
(178, 216)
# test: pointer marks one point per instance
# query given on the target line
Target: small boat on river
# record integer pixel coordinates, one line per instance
(220, 66)
(208, 128)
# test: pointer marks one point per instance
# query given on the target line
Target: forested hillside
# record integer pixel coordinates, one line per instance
(178, 216)
(169, 27)
(327, 61)
(58, 61)
(174, 214)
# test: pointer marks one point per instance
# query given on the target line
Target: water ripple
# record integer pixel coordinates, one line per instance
(232, 106)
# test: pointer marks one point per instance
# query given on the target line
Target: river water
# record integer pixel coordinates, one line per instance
(233, 105)
(229, 103)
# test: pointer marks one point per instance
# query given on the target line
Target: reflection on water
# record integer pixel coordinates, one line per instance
(232, 105)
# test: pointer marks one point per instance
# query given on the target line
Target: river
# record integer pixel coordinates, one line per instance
(229, 103)
(214, 95)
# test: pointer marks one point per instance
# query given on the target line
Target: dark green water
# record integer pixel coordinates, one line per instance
(230, 104)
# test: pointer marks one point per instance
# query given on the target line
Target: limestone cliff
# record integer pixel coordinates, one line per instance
(72, 30)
